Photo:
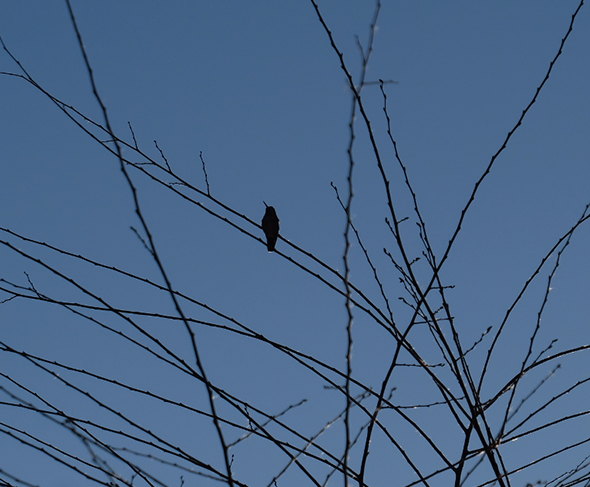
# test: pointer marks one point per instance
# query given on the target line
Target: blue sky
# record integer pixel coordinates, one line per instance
(258, 90)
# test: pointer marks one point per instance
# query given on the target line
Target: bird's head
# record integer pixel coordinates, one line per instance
(270, 209)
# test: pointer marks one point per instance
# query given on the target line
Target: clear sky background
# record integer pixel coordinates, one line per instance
(256, 87)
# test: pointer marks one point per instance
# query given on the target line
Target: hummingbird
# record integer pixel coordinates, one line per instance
(270, 225)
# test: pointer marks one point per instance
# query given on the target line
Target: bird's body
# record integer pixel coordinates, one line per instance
(270, 225)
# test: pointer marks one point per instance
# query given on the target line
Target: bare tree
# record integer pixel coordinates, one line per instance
(157, 409)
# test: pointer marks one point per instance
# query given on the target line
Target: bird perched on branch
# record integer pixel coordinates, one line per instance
(270, 225)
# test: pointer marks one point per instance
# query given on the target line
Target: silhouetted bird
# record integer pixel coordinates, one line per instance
(270, 225)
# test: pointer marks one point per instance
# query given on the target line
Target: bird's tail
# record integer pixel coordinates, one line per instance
(270, 244)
